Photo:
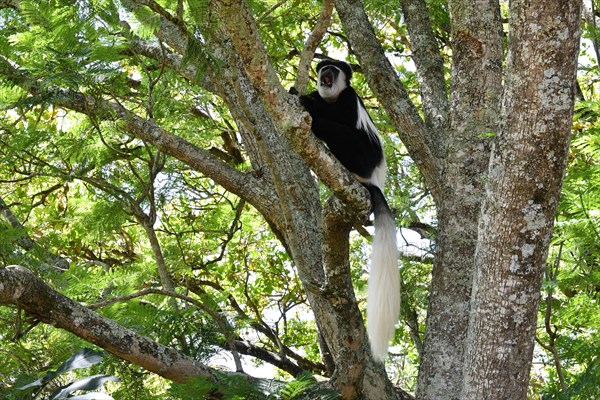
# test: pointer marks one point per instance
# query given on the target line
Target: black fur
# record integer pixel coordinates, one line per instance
(335, 123)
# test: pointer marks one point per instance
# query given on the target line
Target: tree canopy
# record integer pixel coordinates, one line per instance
(165, 200)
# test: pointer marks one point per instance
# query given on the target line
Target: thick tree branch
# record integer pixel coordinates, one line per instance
(20, 287)
(430, 67)
(222, 322)
(313, 41)
(391, 93)
(476, 87)
(476, 64)
(237, 21)
(353, 348)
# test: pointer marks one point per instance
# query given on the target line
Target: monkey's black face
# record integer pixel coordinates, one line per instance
(332, 81)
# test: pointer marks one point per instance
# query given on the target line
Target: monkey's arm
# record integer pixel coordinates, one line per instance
(353, 147)
(313, 104)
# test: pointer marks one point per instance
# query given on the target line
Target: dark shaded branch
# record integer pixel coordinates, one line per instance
(195, 286)
(28, 244)
(411, 319)
(14, 4)
(233, 228)
(551, 275)
(283, 363)
(386, 85)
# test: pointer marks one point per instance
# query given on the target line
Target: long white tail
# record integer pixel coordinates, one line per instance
(383, 296)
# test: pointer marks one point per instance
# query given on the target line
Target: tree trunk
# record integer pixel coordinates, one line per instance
(522, 192)
(461, 144)
(480, 326)
(475, 100)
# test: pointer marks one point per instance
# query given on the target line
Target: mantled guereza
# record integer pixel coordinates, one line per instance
(340, 119)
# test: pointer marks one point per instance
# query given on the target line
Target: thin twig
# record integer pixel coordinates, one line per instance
(313, 41)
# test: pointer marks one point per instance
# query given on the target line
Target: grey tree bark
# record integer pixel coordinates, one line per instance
(21, 287)
(525, 176)
(475, 93)
(475, 345)
(452, 149)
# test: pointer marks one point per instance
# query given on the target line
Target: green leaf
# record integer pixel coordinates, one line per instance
(148, 22)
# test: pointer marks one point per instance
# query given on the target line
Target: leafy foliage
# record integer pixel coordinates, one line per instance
(91, 192)
(304, 387)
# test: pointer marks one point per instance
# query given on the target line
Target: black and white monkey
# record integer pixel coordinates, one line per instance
(340, 119)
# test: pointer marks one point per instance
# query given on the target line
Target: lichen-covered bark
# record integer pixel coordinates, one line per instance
(525, 176)
(356, 375)
(351, 352)
(476, 91)
(20, 287)
(318, 244)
